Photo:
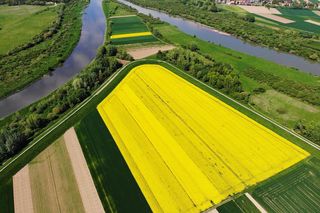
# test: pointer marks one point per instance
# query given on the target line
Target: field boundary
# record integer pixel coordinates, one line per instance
(77, 110)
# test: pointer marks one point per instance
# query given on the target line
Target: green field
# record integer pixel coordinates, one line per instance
(6, 196)
(130, 24)
(284, 108)
(126, 25)
(241, 204)
(299, 16)
(115, 184)
(295, 191)
(19, 24)
(133, 40)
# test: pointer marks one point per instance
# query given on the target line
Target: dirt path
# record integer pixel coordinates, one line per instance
(259, 207)
(139, 53)
(313, 22)
(22, 191)
(88, 192)
(317, 12)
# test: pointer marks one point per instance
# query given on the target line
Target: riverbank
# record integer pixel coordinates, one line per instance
(28, 62)
(93, 20)
(234, 24)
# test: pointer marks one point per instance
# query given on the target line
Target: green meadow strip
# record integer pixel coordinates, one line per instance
(116, 186)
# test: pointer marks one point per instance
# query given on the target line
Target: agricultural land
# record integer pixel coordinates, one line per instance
(129, 30)
(215, 170)
(94, 127)
(57, 180)
(161, 121)
(300, 19)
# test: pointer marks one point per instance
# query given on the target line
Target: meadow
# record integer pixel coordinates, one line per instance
(129, 30)
(240, 204)
(19, 24)
(158, 132)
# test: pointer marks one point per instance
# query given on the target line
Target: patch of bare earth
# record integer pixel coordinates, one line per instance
(22, 192)
(313, 22)
(88, 192)
(123, 62)
(267, 13)
(317, 12)
(143, 52)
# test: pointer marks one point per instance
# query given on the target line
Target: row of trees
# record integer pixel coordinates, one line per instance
(19, 129)
(241, 26)
(209, 5)
(217, 75)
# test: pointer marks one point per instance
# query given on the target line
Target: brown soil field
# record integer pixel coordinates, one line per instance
(22, 192)
(88, 192)
(142, 52)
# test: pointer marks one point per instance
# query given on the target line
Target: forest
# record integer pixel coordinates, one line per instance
(291, 41)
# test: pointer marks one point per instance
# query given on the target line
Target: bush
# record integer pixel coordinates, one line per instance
(249, 18)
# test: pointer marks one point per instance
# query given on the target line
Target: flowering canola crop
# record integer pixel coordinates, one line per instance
(130, 35)
(186, 149)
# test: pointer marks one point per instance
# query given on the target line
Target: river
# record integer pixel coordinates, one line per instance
(208, 34)
(92, 37)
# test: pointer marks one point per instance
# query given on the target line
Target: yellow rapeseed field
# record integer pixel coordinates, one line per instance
(186, 149)
(129, 35)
